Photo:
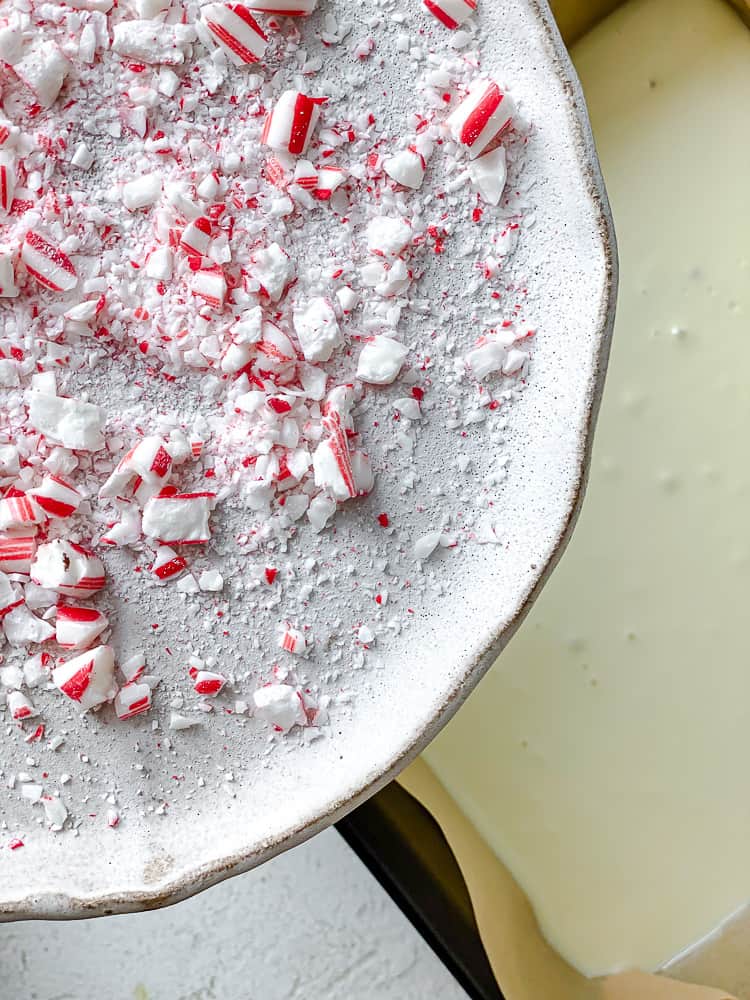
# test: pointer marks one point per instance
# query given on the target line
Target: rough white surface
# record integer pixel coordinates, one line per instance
(312, 923)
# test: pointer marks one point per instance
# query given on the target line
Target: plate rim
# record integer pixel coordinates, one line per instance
(59, 906)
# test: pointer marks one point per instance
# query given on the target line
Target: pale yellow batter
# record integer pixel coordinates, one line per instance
(607, 756)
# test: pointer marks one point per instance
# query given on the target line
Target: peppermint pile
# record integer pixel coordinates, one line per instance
(208, 260)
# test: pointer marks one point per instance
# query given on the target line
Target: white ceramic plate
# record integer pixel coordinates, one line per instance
(478, 594)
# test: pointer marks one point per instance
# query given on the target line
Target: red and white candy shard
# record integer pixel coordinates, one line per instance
(19, 513)
(167, 564)
(88, 679)
(126, 531)
(10, 596)
(408, 166)
(181, 519)
(381, 360)
(132, 699)
(78, 628)
(69, 422)
(291, 639)
(291, 123)
(67, 569)
(332, 463)
(451, 13)
(207, 683)
(56, 497)
(7, 180)
(285, 8)
(280, 706)
(16, 554)
(317, 329)
(134, 667)
(20, 707)
(211, 286)
(235, 31)
(330, 180)
(47, 263)
(145, 470)
(196, 237)
(484, 113)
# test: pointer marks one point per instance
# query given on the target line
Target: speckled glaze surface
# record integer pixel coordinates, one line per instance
(426, 672)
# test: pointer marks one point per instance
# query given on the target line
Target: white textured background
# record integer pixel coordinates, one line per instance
(311, 923)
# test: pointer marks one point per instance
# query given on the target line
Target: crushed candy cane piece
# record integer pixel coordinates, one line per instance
(20, 707)
(56, 497)
(451, 13)
(16, 554)
(318, 330)
(279, 706)
(68, 422)
(286, 8)
(88, 679)
(207, 683)
(78, 628)
(67, 568)
(291, 123)
(235, 30)
(18, 513)
(488, 174)
(47, 263)
(484, 113)
(380, 360)
(167, 564)
(180, 519)
(291, 640)
(132, 699)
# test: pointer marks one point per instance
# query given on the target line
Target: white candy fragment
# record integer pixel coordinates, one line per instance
(126, 531)
(152, 42)
(291, 640)
(8, 257)
(494, 353)
(234, 29)
(132, 699)
(22, 627)
(488, 175)
(43, 69)
(211, 581)
(142, 192)
(380, 360)
(82, 157)
(426, 545)
(484, 113)
(387, 236)
(273, 270)
(291, 123)
(160, 264)
(280, 706)
(320, 512)
(78, 628)
(69, 422)
(20, 707)
(55, 812)
(318, 330)
(47, 263)
(181, 519)
(408, 166)
(451, 13)
(179, 722)
(67, 569)
(88, 679)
